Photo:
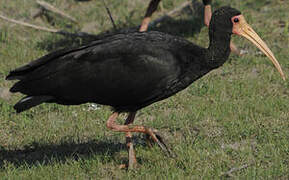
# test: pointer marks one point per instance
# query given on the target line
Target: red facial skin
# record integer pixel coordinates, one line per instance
(235, 31)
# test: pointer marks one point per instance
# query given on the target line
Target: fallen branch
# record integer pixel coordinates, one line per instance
(229, 173)
(108, 12)
(171, 13)
(29, 25)
(53, 9)
(79, 34)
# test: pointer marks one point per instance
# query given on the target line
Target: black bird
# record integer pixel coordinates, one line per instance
(130, 71)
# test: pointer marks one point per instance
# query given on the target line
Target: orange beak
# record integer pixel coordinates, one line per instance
(243, 29)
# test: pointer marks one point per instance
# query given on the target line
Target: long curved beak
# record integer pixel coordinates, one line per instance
(243, 29)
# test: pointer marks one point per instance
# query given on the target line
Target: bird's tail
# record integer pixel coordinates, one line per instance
(31, 101)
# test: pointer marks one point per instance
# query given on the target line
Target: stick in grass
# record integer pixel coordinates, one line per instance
(229, 173)
(53, 9)
(29, 25)
(108, 11)
(79, 34)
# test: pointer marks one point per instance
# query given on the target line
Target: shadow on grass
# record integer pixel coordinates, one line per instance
(44, 154)
(185, 27)
(36, 153)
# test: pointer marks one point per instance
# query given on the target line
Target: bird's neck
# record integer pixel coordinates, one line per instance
(219, 49)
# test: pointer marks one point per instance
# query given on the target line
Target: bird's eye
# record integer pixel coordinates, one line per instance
(236, 20)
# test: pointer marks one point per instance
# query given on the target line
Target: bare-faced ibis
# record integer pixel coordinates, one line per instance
(130, 71)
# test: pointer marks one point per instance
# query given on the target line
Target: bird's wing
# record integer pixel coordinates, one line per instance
(122, 71)
(23, 70)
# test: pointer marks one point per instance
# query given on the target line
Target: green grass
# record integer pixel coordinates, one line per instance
(236, 115)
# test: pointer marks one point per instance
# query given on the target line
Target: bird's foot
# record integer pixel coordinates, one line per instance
(129, 128)
(154, 137)
(132, 163)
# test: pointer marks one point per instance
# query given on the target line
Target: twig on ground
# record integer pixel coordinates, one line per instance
(79, 34)
(53, 9)
(28, 25)
(229, 173)
(108, 11)
(172, 13)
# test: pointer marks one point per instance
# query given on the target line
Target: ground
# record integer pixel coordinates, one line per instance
(234, 117)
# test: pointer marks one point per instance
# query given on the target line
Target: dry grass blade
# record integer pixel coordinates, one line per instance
(109, 14)
(229, 173)
(28, 25)
(62, 32)
(53, 9)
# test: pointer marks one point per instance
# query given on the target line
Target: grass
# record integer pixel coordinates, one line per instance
(236, 115)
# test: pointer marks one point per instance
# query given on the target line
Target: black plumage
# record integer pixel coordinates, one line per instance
(126, 71)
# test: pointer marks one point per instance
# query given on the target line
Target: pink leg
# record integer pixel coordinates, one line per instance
(144, 24)
(150, 10)
(131, 153)
(207, 15)
(128, 128)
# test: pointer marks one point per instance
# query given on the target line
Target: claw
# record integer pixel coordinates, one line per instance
(149, 140)
(157, 138)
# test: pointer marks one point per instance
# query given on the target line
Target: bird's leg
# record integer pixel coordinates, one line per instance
(150, 10)
(234, 49)
(162, 6)
(134, 128)
(207, 19)
(144, 24)
(207, 15)
(128, 136)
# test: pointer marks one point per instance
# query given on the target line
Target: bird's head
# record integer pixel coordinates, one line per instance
(231, 21)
